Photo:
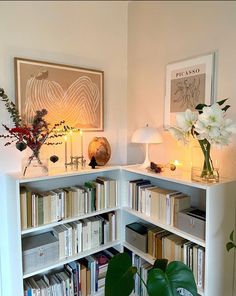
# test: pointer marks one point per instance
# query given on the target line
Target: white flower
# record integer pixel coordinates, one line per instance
(186, 120)
(212, 116)
(210, 125)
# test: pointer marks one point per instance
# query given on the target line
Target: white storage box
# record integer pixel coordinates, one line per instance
(39, 250)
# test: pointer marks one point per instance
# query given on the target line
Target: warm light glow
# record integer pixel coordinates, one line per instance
(65, 138)
(71, 132)
(177, 163)
(81, 133)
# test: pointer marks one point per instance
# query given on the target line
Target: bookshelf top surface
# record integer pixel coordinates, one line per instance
(62, 174)
(181, 177)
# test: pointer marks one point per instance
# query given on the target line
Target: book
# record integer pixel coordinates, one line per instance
(29, 208)
(92, 188)
(151, 238)
(179, 203)
(23, 206)
(201, 268)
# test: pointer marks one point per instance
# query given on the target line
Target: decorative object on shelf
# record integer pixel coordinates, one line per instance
(209, 127)
(188, 83)
(93, 163)
(32, 135)
(100, 148)
(75, 161)
(146, 135)
(162, 278)
(54, 158)
(158, 168)
(77, 93)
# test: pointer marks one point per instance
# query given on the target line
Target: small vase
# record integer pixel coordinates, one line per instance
(203, 169)
(34, 166)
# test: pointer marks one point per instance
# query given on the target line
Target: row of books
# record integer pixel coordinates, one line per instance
(163, 244)
(194, 257)
(78, 278)
(79, 236)
(38, 208)
(157, 202)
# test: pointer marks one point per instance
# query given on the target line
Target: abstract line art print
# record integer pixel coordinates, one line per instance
(188, 83)
(68, 93)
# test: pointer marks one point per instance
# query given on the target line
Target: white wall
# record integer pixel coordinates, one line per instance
(79, 33)
(160, 32)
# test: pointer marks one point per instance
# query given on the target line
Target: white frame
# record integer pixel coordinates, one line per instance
(208, 60)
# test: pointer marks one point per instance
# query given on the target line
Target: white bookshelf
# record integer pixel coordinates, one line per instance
(11, 249)
(218, 200)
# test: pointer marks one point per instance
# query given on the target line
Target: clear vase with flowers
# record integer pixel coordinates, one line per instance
(29, 135)
(209, 127)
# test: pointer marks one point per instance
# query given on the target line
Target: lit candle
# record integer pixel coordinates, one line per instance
(175, 165)
(81, 140)
(71, 143)
(65, 138)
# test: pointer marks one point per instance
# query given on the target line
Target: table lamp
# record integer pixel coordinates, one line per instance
(146, 135)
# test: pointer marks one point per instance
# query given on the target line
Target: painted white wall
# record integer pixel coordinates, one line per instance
(85, 34)
(161, 32)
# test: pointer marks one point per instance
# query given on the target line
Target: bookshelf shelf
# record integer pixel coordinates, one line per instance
(172, 229)
(141, 254)
(72, 258)
(84, 216)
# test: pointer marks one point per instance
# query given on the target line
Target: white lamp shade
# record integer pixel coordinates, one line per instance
(146, 135)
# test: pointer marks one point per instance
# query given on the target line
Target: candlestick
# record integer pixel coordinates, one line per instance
(81, 138)
(71, 143)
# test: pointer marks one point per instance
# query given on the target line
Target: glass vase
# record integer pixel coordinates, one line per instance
(34, 166)
(203, 169)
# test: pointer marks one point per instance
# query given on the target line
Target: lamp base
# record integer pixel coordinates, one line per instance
(146, 163)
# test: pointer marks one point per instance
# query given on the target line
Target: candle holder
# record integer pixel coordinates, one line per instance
(75, 162)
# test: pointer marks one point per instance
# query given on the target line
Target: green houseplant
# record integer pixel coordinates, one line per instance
(232, 243)
(164, 279)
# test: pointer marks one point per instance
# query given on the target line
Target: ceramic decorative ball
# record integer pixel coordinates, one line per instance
(100, 148)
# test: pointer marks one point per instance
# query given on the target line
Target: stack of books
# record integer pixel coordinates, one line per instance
(78, 278)
(38, 208)
(159, 203)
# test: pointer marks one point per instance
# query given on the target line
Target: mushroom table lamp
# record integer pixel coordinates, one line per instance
(146, 135)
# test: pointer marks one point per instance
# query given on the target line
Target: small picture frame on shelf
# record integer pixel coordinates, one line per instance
(188, 83)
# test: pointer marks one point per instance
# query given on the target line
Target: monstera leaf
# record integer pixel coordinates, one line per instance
(120, 276)
(174, 279)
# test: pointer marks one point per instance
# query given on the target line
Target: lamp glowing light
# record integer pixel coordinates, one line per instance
(146, 135)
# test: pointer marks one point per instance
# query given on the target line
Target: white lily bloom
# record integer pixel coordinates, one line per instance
(185, 120)
(200, 127)
(210, 125)
(212, 116)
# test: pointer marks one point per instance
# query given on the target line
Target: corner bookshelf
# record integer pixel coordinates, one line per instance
(218, 200)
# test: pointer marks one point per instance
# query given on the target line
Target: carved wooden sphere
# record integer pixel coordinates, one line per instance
(100, 148)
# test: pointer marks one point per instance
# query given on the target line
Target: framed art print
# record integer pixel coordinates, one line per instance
(188, 83)
(68, 93)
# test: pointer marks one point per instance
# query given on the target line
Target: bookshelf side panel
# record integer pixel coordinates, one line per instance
(10, 238)
(220, 221)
